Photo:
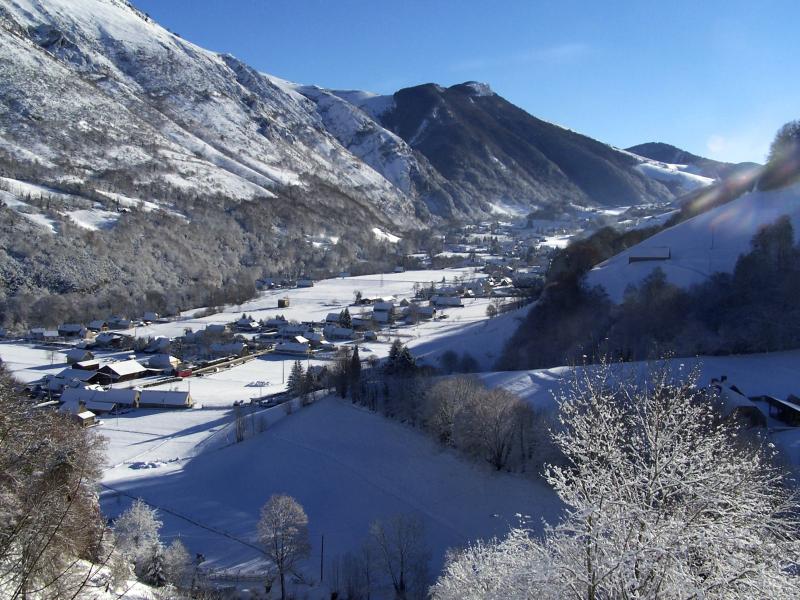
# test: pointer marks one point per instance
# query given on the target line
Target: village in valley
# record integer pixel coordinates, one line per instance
(116, 363)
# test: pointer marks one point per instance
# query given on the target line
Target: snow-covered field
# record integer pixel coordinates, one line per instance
(346, 466)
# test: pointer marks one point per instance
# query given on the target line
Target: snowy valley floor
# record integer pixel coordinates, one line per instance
(345, 465)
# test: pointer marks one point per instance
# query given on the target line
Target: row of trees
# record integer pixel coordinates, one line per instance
(489, 425)
(662, 500)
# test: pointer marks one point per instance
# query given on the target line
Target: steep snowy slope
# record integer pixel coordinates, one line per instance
(354, 126)
(691, 251)
(346, 466)
(94, 86)
(688, 162)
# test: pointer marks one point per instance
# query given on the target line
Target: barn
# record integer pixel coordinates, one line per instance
(165, 399)
(123, 370)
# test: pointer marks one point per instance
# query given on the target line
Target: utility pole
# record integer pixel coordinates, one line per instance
(321, 558)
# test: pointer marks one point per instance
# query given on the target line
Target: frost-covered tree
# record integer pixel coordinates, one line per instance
(136, 532)
(283, 530)
(154, 567)
(177, 563)
(662, 501)
(49, 514)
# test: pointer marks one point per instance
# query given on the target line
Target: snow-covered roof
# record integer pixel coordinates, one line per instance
(79, 374)
(164, 398)
(124, 397)
(123, 367)
(77, 354)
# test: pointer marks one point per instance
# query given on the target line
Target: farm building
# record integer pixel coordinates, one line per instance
(305, 283)
(123, 370)
(334, 332)
(275, 322)
(229, 349)
(150, 316)
(283, 303)
(109, 339)
(446, 301)
(98, 400)
(216, 328)
(117, 322)
(72, 377)
(383, 306)
(97, 325)
(163, 361)
(72, 330)
(656, 253)
(87, 365)
(77, 355)
(246, 324)
(86, 418)
(159, 344)
(787, 411)
(297, 345)
(292, 329)
(165, 399)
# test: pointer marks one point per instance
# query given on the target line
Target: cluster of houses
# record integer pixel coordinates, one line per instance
(102, 332)
(86, 403)
(277, 283)
(84, 388)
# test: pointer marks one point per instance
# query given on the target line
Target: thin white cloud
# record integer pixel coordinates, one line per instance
(740, 146)
(557, 54)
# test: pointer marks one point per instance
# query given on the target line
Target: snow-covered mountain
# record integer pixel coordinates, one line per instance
(97, 96)
(96, 90)
(162, 166)
(493, 151)
(693, 250)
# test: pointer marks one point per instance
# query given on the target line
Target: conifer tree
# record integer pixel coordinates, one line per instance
(295, 384)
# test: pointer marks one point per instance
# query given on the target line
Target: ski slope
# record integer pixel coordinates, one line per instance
(708, 243)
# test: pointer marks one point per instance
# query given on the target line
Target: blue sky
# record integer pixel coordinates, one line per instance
(715, 78)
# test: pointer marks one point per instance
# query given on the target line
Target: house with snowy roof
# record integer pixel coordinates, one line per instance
(123, 370)
(76, 355)
(165, 399)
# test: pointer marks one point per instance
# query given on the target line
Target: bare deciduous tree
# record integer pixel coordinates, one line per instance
(400, 546)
